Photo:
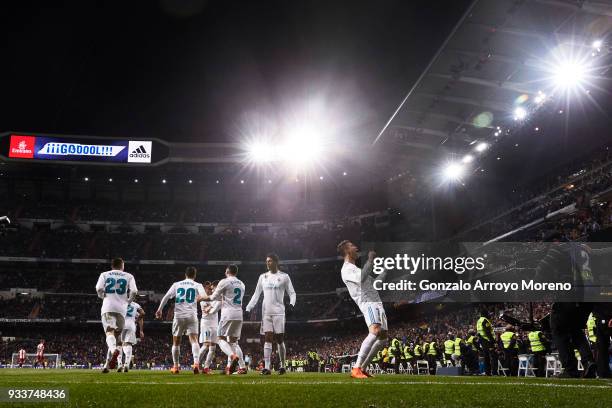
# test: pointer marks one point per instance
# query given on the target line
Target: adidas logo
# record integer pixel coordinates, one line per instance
(140, 152)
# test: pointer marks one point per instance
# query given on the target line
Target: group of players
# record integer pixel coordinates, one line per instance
(225, 296)
(120, 313)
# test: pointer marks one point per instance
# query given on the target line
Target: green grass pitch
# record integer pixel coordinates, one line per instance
(89, 388)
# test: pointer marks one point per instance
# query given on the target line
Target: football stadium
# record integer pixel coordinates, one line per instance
(343, 203)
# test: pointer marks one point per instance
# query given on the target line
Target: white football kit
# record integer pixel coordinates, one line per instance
(184, 294)
(209, 322)
(274, 286)
(128, 334)
(113, 287)
(230, 291)
(361, 289)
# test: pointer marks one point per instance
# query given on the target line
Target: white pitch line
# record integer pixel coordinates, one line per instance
(264, 382)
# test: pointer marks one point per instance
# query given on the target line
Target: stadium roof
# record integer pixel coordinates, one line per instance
(496, 55)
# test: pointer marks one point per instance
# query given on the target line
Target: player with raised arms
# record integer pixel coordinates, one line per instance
(360, 287)
(117, 288)
(133, 314)
(209, 324)
(230, 292)
(185, 320)
(274, 284)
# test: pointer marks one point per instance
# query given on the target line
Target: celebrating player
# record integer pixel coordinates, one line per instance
(185, 320)
(208, 327)
(117, 289)
(128, 334)
(21, 356)
(360, 286)
(231, 291)
(40, 354)
(274, 284)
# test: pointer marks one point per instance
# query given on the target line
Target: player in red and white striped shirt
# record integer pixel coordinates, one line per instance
(22, 357)
(40, 352)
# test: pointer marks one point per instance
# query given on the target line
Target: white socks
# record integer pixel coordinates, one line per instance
(238, 352)
(127, 350)
(119, 358)
(282, 353)
(210, 355)
(378, 344)
(109, 354)
(225, 347)
(366, 345)
(176, 352)
(195, 350)
(267, 355)
(111, 342)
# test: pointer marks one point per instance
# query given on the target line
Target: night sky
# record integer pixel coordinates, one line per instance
(198, 70)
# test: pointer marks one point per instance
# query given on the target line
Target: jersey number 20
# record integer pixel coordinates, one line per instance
(183, 295)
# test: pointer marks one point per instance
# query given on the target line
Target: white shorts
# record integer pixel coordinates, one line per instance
(128, 334)
(184, 326)
(230, 328)
(273, 323)
(112, 320)
(208, 334)
(374, 313)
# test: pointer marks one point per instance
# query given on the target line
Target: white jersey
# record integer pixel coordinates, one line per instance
(360, 287)
(184, 294)
(22, 354)
(274, 286)
(230, 291)
(131, 315)
(113, 287)
(40, 349)
(210, 318)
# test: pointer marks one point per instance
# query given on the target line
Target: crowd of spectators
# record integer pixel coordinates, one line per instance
(234, 244)
(88, 347)
(578, 184)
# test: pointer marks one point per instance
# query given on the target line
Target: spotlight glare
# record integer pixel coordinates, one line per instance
(481, 147)
(135, 180)
(163, 181)
(520, 113)
(110, 180)
(569, 74)
(468, 158)
(241, 181)
(259, 152)
(86, 178)
(453, 172)
(597, 44)
(190, 181)
(541, 97)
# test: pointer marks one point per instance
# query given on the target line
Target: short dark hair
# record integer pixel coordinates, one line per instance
(233, 268)
(273, 256)
(342, 246)
(190, 272)
(117, 263)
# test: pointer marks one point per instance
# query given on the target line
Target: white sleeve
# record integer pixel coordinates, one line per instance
(216, 305)
(133, 288)
(201, 290)
(169, 295)
(100, 286)
(291, 291)
(256, 295)
(218, 291)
